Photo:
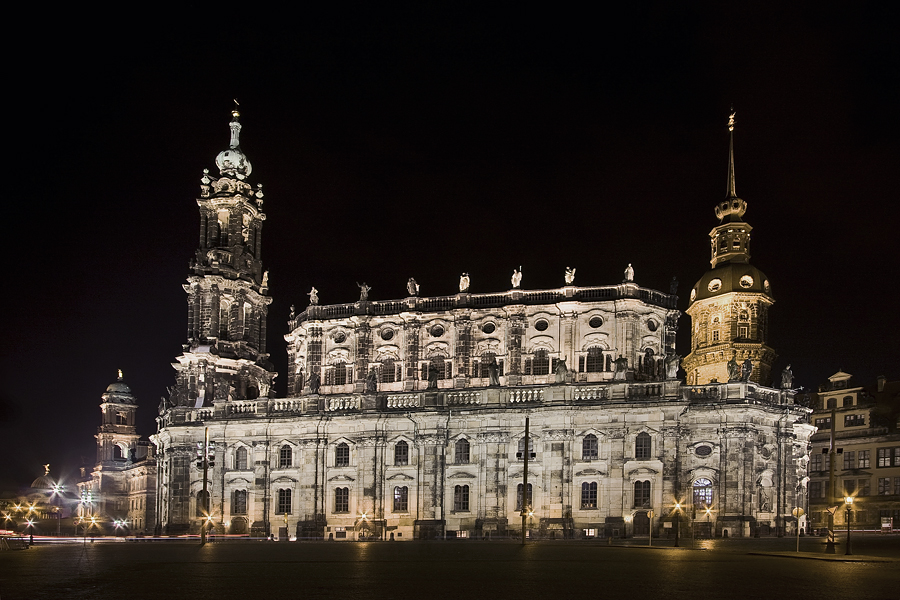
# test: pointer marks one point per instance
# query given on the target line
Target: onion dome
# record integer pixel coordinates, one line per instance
(119, 392)
(232, 161)
(731, 277)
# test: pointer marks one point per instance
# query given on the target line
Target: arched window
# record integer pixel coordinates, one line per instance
(285, 457)
(117, 452)
(342, 455)
(595, 359)
(520, 453)
(461, 454)
(848, 401)
(642, 446)
(541, 362)
(240, 459)
(341, 500)
(461, 498)
(641, 494)
(202, 503)
(589, 447)
(388, 371)
(589, 495)
(832, 403)
(702, 494)
(529, 501)
(339, 374)
(486, 359)
(239, 502)
(401, 453)
(401, 499)
(284, 502)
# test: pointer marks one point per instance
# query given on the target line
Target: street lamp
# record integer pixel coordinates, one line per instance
(677, 518)
(849, 502)
(708, 526)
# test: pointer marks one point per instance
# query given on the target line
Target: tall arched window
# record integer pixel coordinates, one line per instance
(438, 365)
(486, 359)
(341, 500)
(541, 362)
(461, 454)
(520, 453)
(342, 455)
(642, 446)
(284, 502)
(285, 457)
(528, 501)
(594, 359)
(702, 493)
(239, 502)
(240, 459)
(388, 371)
(589, 447)
(401, 453)
(461, 498)
(589, 494)
(339, 374)
(401, 499)
(641, 494)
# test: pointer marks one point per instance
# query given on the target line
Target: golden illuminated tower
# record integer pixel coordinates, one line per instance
(729, 305)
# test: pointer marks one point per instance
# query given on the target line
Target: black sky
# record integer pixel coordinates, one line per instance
(424, 142)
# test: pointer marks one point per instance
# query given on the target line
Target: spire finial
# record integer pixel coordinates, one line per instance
(120, 374)
(731, 193)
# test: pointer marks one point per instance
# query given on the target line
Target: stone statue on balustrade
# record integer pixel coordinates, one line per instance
(621, 368)
(372, 381)
(464, 282)
(746, 369)
(432, 377)
(313, 296)
(734, 369)
(629, 273)
(561, 370)
(364, 291)
(570, 275)
(493, 372)
(314, 382)
(787, 378)
(517, 278)
(412, 287)
(673, 362)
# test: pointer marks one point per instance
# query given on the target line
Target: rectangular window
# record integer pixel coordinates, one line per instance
(401, 499)
(589, 495)
(824, 423)
(461, 498)
(883, 457)
(897, 486)
(865, 489)
(854, 420)
(816, 489)
(863, 459)
(897, 456)
(817, 462)
(342, 455)
(642, 446)
(884, 486)
(462, 452)
(528, 501)
(239, 503)
(642, 494)
(284, 502)
(849, 459)
(401, 453)
(589, 447)
(341, 500)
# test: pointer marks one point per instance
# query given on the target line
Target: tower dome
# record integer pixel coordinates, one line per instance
(232, 161)
(118, 392)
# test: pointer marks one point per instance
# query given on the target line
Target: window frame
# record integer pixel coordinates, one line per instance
(401, 454)
(461, 498)
(285, 457)
(285, 501)
(589, 491)
(401, 499)
(341, 500)
(643, 446)
(462, 452)
(590, 447)
(342, 455)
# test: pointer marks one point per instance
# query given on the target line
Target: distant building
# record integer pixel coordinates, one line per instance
(406, 418)
(122, 486)
(864, 424)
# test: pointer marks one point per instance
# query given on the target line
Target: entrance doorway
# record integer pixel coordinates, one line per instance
(641, 523)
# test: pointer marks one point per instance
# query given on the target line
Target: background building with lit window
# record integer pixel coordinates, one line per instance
(119, 494)
(406, 418)
(864, 423)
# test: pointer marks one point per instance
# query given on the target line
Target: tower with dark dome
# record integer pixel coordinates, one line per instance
(729, 305)
(225, 355)
(117, 434)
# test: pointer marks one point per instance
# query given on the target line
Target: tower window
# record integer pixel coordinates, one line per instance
(342, 455)
(642, 446)
(595, 359)
(589, 450)
(461, 498)
(541, 362)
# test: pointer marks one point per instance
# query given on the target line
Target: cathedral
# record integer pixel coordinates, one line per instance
(473, 415)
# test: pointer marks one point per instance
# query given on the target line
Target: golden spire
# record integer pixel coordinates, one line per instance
(731, 193)
(120, 374)
(235, 112)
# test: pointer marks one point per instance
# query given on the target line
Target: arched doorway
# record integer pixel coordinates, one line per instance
(641, 523)
(239, 526)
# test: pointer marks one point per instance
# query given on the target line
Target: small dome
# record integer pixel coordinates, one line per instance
(731, 277)
(118, 392)
(43, 483)
(232, 161)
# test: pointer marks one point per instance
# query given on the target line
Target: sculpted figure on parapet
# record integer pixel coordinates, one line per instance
(314, 382)
(673, 361)
(621, 367)
(787, 378)
(364, 291)
(493, 372)
(517, 277)
(746, 369)
(432, 377)
(734, 369)
(313, 296)
(372, 381)
(570, 275)
(561, 369)
(464, 282)
(412, 287)
(629, 273)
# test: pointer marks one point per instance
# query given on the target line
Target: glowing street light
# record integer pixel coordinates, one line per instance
(677, 519)
(849, 502)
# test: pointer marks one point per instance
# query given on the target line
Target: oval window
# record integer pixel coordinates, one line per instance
(595, 322)
(541, 325)
(703, 451)
(715, 285)
(693, 294)
(339, 337)
(746, 281)
(437, 331)
(387, 334)
(488, 328)
(652, 325)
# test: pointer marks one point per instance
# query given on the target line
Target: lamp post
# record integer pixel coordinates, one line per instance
(708, 525)
(849, 502)
(677, 518)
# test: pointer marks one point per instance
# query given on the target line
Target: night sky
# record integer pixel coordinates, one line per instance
(424, 142)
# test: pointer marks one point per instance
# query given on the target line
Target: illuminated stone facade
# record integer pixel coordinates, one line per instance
(406, 418)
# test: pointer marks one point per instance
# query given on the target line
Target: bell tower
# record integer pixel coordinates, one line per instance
(227, 292)
(117, 435)
(729, 306)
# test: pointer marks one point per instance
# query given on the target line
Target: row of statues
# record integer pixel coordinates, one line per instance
(412, 287)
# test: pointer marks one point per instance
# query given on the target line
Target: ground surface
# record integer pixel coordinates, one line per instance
(375, 570)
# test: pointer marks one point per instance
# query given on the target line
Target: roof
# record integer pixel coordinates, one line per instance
(731, 277)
